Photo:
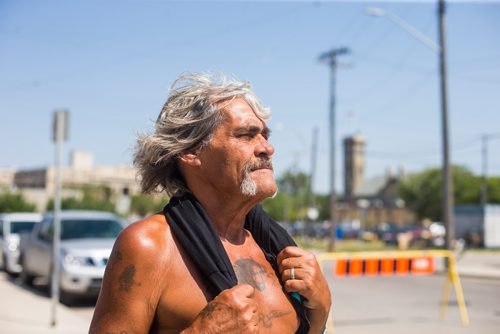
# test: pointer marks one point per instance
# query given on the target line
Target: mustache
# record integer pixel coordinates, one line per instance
(259, 164)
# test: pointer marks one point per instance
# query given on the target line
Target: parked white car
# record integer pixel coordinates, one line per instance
(87, 238)
(11, 227)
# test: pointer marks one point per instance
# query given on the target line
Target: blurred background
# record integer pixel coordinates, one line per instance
(109, 64)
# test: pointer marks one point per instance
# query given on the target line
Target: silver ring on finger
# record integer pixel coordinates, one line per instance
(292, 273)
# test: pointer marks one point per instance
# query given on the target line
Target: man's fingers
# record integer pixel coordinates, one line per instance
(289, 274)
(290, 251)
(295, 285)
(291, 262)
(244, 290)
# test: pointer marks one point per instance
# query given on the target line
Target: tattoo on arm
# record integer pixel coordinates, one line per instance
(127, 278)
(264, 320)
(114, 260)
(267, 320)
(208, 310)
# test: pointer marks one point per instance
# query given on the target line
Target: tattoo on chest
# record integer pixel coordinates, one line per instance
(127, 278)
(251, 272)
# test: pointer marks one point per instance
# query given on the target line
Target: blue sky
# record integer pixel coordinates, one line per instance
(110, 63)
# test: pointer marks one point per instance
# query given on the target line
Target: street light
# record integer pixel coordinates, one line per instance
(447, 181)
(379, 12)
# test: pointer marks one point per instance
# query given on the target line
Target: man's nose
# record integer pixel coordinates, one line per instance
(264, 147)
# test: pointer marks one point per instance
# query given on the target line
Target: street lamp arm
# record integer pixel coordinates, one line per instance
(405, 26)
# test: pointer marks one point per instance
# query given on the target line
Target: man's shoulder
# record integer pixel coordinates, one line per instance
(151, 234)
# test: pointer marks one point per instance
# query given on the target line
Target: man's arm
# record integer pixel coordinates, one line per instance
(131, 287)
(308, 280)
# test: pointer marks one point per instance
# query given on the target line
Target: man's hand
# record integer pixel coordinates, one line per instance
(306, 279)
(232, 311)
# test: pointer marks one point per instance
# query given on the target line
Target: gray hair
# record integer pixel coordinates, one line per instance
(186, 124)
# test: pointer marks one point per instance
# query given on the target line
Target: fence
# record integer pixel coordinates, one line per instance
(398, 263)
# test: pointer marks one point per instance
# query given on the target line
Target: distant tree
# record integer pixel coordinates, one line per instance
(281, 208)
(291, 202)
(293, 183)
(93, 198)
(143, 205)
(494, 190)
(323, 205)
(15, 202)
(422, 191)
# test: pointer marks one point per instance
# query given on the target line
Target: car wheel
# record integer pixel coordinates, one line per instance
(9, 270)
(66, 298)
(4, 263)
(26, 277)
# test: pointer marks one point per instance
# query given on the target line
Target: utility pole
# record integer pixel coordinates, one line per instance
(60, 134)
(330, 57)
(447, 178)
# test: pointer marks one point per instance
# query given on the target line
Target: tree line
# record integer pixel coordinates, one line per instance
(421, 192)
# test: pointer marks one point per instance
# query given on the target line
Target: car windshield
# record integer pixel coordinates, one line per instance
(89, 228)
(18, 227)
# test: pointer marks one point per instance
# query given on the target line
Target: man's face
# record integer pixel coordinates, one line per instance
(238, 158)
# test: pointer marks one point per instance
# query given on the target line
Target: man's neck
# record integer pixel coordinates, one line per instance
(227, 214)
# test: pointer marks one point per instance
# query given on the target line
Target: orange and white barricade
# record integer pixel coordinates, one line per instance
(397, 263)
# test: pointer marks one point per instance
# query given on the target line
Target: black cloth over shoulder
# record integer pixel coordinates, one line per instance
(194, 230)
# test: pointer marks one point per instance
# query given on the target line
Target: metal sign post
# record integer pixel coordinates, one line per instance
(59, 135)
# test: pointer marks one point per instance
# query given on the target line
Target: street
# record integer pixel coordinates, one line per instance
(360, 305)
(411, 305)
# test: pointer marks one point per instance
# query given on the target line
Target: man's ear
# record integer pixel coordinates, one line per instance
(190, 159)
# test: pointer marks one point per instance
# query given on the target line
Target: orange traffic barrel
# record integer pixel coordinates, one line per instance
(340, 267)
(371, 267)
(402, 266)
(422, 265)
(386, 266)
(355, 267)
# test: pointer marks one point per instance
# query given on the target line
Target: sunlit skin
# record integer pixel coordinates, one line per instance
(150, 285)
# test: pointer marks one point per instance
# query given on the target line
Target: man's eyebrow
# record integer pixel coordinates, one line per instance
(254, 129)
(266, 131)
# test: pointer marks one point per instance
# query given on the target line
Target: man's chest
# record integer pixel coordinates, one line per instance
(276, 313)
(186, 294)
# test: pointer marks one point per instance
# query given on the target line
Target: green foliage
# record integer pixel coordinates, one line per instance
(294, 183)
(143, 205)
(275, 207)
(467, 187)
(93, 198)
(15, 202)
(422, 191)
(291, 202)
(494, 190)
(323, 205)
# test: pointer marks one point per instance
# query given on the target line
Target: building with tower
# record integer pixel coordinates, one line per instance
(372, 199)
(354, 165)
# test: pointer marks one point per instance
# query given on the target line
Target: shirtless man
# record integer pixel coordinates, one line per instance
(210, 146)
